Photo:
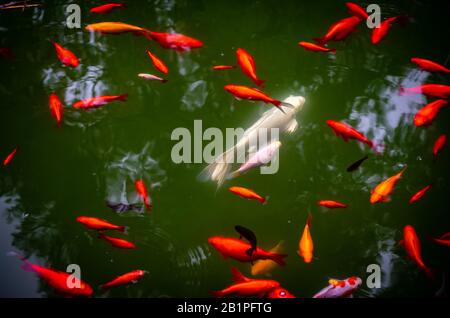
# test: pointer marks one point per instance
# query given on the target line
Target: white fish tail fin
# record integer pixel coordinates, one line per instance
(220, 168)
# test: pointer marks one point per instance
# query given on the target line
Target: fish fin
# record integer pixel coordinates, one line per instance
(320, 41)
(264, 201)
(286, 105)
(309, 220)
(123, 97)
(122, 228)
(386, 199)
(260, 82)
(238, 277)
(278, 258)
(217, 293)
(234, 174)
(401, 242)
(333, 51)
(292, 127)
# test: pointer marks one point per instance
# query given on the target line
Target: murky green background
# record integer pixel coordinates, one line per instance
(59, 174)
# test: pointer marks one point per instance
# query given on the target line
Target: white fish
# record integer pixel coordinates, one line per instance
(152, 77)
(261, 157)
(339, 288)
(273, 118)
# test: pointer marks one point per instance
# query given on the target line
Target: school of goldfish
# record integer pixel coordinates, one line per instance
(262, 261)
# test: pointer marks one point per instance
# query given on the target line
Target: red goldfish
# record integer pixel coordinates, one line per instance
(56, 108)
(143, 193)
(356, 10)
(348, 132)
(429, 66)
(65, 56)
(340, 288)
(9, 157)
(99, 101)
(279, 292)
(439, 144)
(411, 244)
(244, 92)
(117, 242)
(315, 47)
(244, 286)
(247, 65)
(237, 249)
(382, 192)
(419, 194)
(159, 65)
(223, 67)
(380, 32)
(179, 42)
(332, 204)
(125, 279)
(106, 8)
(432, 90)
(428, 113)
(443, 240)
(99, 224)
(340, 30)
(247, 194)
(306, 245)
(63, 282)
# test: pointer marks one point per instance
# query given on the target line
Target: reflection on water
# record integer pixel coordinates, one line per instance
(195, 96)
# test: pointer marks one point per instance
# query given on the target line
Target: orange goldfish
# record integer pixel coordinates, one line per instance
(382, 192)
(332, 204)
(348, 132)
(247, 194)
(244, 286)
(159, 65)
(56, 108)
(116, 28)
(439, 145)
(125, 279)
(247, 64)
(98, 224)
(340, 30)
(99, 101)
(266, 266)
(9, 157)
(117, 242)
(428, 113)
(65, 56)
(306, 245)
(223, 67)
(315, 47)
(411, 244)
(143, 193)
(419, 194)
(380, 32)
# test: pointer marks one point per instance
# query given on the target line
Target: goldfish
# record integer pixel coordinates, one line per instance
(357, 164)
(143, 193)
(419, 194)
(56, 108)
(443, 240)
(348, 132)
(429, 66)
(332, 204)
(237, 249)
(159, 65)
(428, 113)
(382, 192)
(99, 101)
(219, 169)
(411, 244)
(63, 282)
(247, 64)
(260, 158)
(381, 31)
(125, 279)
(223, 67)
(178, 42)
(306, 245)
(65, 56)
(340, 288)
(9, 157)
(315, 47)
(279, 292)
(99, 224)
(106, 8)
(250, 236)
(247, 194)
(117, 242)
(439, 145)
(340, 30)
(432, 90)
(244, 286)
(262, 267)
(151, 77)
(253, 94)
(356, 10)
(116, 28)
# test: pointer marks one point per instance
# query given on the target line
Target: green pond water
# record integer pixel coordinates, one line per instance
(95, 156)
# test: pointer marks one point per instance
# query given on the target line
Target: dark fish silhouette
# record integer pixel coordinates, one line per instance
(356, 164)
(122, 207)
(250, 237)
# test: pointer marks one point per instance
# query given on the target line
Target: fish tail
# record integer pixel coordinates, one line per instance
(148, 34)
(278, 258)
(219, 169)
(333, 51)
(123, 97)
(217, 293)
(27, 266)
(309, 219)
(264, 200)
(121, 229)
(260, 82)
(101, 235)
(234, 174)
(431, 273)
(320, 41)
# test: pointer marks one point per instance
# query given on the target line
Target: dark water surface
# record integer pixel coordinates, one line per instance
(59, 174)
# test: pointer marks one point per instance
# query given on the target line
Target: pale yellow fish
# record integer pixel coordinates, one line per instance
(262, 267)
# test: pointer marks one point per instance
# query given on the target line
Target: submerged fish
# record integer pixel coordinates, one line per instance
(382, 192)
(99, 224)
(429, 66)
(9, 157)
(125, 279)
(220, 168)
(419, 194)
(65, 56)
(157, 63)
(357, 164)
(332, 204)
(99, 101)
(223, 67)
(56, 108)
(262, 267)
(247, 64)
(439, 144)
(348, 132)
(244, 286)
(176, 41)
(315, 47)
(411, 244)
(116, 28)
(340, 30)
(250, 237)
(380, 32)
(260, 158)
(151, 77)
(247, 194)
(143, 193)
(428, 113)
(306, 245)
(106, 8)
(117, 242)
(340, 288)
(356, 10)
